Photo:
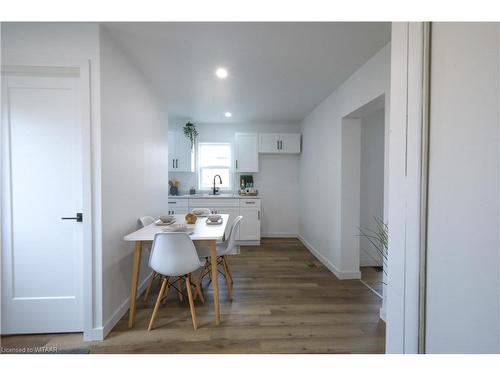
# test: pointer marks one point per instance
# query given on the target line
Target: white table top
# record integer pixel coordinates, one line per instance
(202, 231)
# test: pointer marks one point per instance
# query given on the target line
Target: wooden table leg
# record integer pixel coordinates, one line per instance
(213, 261)
(136, 267)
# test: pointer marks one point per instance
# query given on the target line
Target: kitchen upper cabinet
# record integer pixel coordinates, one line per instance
(246, 147)
(180, 153)
(284, 143)
(269, 142)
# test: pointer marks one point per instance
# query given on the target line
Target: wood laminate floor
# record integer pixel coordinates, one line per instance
(373, 277)
(285, 301)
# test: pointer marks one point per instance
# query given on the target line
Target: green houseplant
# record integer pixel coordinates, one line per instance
(379, 239)
(190, 132)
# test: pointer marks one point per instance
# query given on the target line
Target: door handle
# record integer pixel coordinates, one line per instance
(78, 218)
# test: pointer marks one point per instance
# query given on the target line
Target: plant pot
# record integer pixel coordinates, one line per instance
(174, 190)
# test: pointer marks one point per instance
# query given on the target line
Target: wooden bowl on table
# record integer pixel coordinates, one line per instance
(191, 218)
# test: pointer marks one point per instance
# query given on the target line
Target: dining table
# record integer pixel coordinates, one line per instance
(202, 233)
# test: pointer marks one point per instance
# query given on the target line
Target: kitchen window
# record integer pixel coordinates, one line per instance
(213, 159)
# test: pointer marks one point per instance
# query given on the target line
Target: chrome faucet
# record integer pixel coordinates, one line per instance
(215, 190)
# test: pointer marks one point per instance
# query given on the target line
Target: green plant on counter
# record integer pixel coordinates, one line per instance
(190, 132)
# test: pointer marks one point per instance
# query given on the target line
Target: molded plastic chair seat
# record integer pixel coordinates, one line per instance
(173, 255)
(146, 220)
(222, 250)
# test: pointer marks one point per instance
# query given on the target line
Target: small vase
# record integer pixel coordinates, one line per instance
(174, 190)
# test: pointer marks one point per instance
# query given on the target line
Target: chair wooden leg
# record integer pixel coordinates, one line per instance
(199, 292)
(150, 285)
(203, 273)
(157, 305)
(228, 280)
(224, 258)
(191, 302)
(179, 287)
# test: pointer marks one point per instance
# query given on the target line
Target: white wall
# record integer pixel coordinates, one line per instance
(277, 179)
(371, 182)
(134, 169)
(320, 162)
(66, 43)
(463, 284)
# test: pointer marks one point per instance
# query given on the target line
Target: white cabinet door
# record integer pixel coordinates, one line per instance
(289, 143)
(172, 143)
(233, 212)
(250, 225)
(269, 143)
(178, 211)
(285, 143)
(246, 152)
(180, 153)
(185, 154)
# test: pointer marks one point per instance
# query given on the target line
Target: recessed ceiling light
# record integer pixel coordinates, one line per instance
(221, 73)
(228, 114)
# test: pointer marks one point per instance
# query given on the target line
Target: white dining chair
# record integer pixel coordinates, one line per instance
(223, 250)
(146, 220)
(173, 256)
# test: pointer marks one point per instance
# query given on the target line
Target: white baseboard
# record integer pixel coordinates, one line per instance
(95, 334)
(383, 314)
(99, 333)
(249, 243)
(342, 275)
(279, 235)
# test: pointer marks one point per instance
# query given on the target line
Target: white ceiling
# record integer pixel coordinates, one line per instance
(278, 72)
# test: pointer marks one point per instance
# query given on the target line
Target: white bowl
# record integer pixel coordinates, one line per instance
(214, 218)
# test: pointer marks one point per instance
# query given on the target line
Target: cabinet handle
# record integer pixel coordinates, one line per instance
(236, 163)
(277, 145)
(173, 163)
(176, 163)
(249, 202)
(281, 145)
(258, 215)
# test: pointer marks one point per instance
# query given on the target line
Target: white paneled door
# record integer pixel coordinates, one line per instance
(42, 253)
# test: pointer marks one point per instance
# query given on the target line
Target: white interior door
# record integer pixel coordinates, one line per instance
(42, 255)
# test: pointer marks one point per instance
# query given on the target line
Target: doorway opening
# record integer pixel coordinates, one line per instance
(363, 225)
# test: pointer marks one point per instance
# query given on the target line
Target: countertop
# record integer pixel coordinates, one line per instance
(207, 196)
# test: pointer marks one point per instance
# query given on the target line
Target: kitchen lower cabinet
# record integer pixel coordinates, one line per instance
(250, 225)
(177, 206)
(178, 211)
(233, 212)
(249, 208)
